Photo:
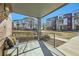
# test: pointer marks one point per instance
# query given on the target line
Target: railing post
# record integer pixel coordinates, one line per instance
(17, 51)
(39, 28)
(54, 41)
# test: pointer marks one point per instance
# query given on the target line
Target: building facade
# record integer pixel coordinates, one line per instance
(76, 20)
(29, 23)
(69, 21)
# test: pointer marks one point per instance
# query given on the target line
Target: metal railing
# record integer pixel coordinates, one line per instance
(53, 42)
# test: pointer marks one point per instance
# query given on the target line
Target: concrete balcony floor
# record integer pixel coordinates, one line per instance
(34, 48)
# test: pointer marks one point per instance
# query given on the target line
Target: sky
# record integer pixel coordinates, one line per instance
(66, 9)
(16, 16)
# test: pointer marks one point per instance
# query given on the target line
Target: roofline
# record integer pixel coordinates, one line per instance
(55, 9)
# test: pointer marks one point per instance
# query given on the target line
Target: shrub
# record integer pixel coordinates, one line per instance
(45, 37)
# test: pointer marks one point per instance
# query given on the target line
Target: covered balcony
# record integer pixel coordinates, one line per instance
(32, 36)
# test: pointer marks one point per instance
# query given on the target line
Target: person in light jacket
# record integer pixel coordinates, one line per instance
(5, 27)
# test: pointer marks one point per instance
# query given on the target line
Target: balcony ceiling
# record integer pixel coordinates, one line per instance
(36, 9)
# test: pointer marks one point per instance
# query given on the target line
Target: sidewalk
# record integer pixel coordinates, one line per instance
(57, 38)
(71, 48)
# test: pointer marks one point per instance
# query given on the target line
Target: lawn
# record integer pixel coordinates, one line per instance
(66, 35)
(60, 34)
(24, 34)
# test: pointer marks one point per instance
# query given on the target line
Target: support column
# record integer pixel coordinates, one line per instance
(39, 28)
(43, 47)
